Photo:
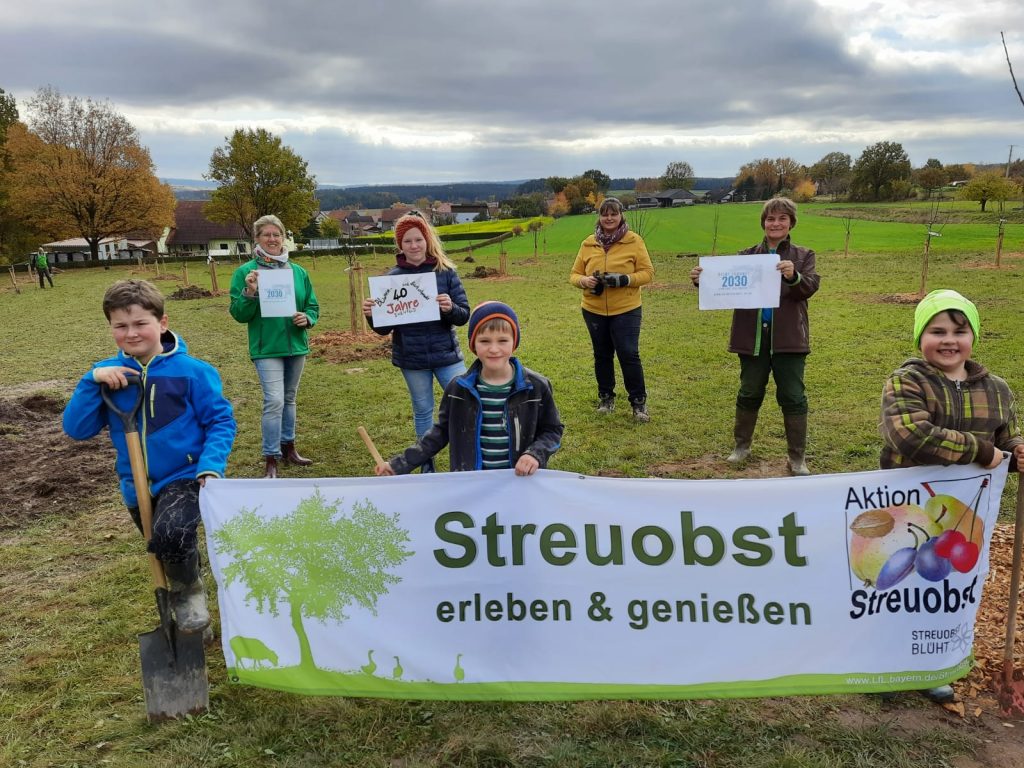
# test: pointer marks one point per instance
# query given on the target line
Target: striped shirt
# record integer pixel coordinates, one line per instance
(494, 437)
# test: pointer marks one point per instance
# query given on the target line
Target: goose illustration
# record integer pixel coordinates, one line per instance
(396, 673)
(459, 672)
(371, 667)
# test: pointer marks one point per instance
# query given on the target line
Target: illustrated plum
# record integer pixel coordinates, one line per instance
(896, 568)
(929, 563)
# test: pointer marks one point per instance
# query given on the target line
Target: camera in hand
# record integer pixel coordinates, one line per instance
(598, 288)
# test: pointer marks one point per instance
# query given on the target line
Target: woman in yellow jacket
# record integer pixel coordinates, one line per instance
(610, 267)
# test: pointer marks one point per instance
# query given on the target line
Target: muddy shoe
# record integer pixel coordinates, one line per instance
(606, 404)
(942, 694)
(640, 413)
(189, 606)
(188, 596)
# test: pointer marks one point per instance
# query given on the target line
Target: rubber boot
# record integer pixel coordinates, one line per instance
(188, 596)
(743, 433)
(291, 456)
(271, 469)
(796, 443)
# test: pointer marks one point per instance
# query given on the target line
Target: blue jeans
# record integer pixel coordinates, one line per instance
(279, 377)
(421, 390)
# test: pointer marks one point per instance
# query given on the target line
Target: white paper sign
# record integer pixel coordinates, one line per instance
(739, 282)
(402, 299)
(277, 292)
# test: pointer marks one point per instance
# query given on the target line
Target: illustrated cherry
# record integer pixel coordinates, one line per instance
(946, 540)
(964, 556)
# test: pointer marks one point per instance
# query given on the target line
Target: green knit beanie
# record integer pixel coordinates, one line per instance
(939, 301)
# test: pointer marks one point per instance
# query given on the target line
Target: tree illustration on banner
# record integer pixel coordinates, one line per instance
(315, 559)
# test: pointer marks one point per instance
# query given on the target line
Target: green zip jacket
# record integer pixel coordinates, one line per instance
(274, 336)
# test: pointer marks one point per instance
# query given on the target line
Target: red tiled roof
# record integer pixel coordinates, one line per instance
(191, 227)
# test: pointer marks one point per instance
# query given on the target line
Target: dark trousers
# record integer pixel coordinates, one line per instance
(617, 335)
(786, 368)
(46, 273)
(175, 521)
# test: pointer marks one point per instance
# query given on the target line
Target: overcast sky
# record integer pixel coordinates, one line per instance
(453, 90)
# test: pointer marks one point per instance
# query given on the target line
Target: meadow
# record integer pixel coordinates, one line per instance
(73, 580)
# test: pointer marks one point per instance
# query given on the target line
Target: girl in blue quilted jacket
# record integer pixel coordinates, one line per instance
(428, 350)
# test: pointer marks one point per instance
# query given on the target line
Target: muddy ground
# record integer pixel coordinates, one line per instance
(48, 473)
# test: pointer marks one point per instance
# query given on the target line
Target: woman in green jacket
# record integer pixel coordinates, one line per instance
(277, 345)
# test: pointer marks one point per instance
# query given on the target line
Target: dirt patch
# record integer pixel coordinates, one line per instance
(191, 292)
(482, 273)
(712, 466)
(47, 471)
(533, 261)
(348, 347)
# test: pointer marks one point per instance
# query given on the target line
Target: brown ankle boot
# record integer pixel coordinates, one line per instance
(291, 456)
(271, 470)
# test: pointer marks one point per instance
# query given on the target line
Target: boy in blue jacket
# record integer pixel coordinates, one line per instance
(185, 424)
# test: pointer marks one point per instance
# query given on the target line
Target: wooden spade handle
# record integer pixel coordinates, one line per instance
(368, 441)
(141, 481)
(1018, 538)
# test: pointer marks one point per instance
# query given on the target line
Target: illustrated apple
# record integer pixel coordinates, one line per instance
(868, 554)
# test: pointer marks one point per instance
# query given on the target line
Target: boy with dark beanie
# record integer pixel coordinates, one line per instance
(498, 415)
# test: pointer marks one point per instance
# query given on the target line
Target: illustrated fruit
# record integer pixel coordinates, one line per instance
(868, 554)
(964, 556)
(944, 544)
(951, 514)
(896, 568)
(930, 564)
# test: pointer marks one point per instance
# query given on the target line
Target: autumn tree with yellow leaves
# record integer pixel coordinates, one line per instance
(77, 168)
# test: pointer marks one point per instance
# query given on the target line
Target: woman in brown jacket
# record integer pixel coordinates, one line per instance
(775, 340)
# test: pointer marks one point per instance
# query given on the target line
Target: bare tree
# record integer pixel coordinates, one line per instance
(847, 226)
(641, 221)
(932, 229)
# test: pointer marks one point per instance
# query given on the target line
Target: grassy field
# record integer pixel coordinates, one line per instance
(72, 585)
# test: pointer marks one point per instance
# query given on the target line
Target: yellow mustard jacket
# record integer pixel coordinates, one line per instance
(628, 257)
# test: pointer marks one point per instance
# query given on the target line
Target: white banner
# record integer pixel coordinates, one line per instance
(750, 281)
(483, 585)
(401, 299)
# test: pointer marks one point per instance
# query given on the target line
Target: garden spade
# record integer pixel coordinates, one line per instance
(1011, 691)
(173, 664)
(368, 442)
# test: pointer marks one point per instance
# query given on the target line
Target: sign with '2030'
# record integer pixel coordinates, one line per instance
(749, 281)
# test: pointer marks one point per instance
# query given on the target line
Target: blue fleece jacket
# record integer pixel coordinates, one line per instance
(185, 424)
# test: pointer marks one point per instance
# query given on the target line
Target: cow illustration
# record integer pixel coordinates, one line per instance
(252, 649)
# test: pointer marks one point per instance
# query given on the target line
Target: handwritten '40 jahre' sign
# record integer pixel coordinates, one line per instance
(402, 299)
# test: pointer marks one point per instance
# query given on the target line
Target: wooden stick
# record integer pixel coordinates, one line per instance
(14, 280)
(368, 441)
(1011, 613)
